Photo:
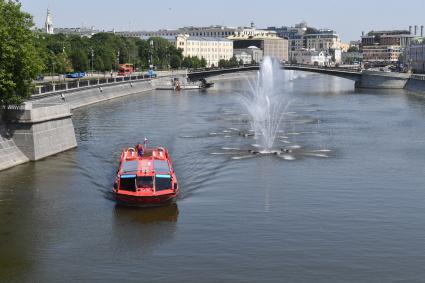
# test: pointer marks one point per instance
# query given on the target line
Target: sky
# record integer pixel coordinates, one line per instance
(348, 18)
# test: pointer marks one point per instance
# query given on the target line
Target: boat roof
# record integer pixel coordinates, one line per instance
(145, 166)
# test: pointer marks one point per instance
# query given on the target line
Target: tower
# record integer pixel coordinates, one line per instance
(49, 23)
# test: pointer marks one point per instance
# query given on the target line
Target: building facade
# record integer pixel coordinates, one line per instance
(249, 55)
(268, 41)
(324, 39)
(352, 57)
(311, 57)
(80, 31)
(242, 55)
(302, 37)
(415, 55)
(385, 47)
(212, 49)
(211, 31)
(381, 54)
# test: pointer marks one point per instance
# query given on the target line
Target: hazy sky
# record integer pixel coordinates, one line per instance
(348, 18)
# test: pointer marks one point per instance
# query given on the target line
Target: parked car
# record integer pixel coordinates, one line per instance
(76, 75)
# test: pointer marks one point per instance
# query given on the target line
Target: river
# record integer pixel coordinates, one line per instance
(350, 207)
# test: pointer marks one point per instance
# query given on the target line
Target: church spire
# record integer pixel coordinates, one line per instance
(49, 23)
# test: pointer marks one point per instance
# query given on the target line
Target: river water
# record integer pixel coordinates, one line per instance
(350, 207)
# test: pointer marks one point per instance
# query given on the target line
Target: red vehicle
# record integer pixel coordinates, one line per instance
(145, 178)
(125, 69)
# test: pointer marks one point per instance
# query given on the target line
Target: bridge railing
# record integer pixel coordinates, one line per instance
(50, 88)
(198, 70)
(418, 77)
(348, 68)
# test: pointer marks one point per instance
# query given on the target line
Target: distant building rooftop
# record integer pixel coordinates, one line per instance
(205, 38)
(388, 32)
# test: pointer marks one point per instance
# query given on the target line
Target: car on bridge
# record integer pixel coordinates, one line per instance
(76, 75)
(151, 73)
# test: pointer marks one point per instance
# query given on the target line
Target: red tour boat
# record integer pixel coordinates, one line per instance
(145, 177)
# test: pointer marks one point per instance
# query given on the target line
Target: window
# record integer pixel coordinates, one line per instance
(127, 183)
(162, 182)
(144, 182)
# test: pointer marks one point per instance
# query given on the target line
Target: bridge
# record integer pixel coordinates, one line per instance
(361, 78)
(346, 73)
(197, 74)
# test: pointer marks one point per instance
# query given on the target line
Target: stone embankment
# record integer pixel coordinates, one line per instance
(416, 84)
(35, 131)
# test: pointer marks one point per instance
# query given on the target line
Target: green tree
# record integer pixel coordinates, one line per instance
(19, 60)
(203, 63)
(353, 49)
(222, 63)
(79, 60)
(175, 62)
(233, 62)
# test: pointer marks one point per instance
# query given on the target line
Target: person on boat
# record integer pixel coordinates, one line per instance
(139, 149)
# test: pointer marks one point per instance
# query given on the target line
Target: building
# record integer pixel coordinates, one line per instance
(48, 25)
(324, 39)
(80, 31)
(242, 55)
(268, 41)
(415, 55)
(380, 55)
(352, 57)
(382, 48)
(311, 57)
(212, 49)
(302, 37)
(345, 47)
(211, 31)
(249, 55)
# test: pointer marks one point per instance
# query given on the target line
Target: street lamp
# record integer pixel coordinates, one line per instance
(118, 59)
(92, 54)
(151, 53)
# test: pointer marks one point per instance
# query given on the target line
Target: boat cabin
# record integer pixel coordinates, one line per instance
(150, 173)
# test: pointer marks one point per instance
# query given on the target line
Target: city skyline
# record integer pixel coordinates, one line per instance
(361, 16)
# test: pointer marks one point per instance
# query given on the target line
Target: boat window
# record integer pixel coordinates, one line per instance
(128, 183)
(162, 182)
(144, 182)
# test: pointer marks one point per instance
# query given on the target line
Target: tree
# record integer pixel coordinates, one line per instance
(80, 61)
(233, 62)
(175, 62)
(353, 49)
(222, 63)
(19, 60)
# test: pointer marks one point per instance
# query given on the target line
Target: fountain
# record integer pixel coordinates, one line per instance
(266, 103)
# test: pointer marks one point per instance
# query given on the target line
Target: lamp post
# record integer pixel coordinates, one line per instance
(118, 59)
(151, 53)
(92, 54)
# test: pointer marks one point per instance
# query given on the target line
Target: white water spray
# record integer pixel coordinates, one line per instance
(266, 103)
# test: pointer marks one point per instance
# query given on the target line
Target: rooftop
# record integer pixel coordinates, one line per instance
(388, 32)
(205, 38)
